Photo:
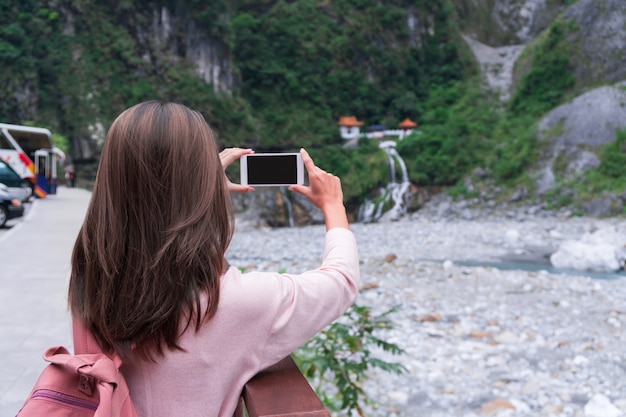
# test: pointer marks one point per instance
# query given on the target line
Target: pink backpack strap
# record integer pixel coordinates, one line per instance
(84, 342)
(118, 405)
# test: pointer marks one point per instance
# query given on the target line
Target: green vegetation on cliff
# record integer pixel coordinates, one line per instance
(549, 78)
(304, 63)
(296, 67)
(291, 68)
(609, 175)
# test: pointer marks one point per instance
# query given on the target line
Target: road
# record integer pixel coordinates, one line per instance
(34, 265)
(14, 222)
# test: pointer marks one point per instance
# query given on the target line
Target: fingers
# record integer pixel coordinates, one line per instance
(306, 159)
(324, 189)
(310, 166)
(238, 188)
(230, 155)
(227, 157)
(301, 189)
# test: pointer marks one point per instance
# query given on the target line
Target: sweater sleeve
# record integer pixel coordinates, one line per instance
(306, 303)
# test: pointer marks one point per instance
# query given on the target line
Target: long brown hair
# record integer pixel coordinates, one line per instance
(158, 224)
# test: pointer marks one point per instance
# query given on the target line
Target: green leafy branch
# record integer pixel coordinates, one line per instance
(343, 353)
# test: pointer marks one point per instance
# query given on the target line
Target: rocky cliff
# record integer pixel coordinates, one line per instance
(521, 55)
(506, 22)
(153, 40)
(498, 31)
(598, 33)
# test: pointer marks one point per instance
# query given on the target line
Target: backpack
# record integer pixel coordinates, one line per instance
(88, 383)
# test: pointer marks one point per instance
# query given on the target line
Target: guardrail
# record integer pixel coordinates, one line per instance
(280, 391)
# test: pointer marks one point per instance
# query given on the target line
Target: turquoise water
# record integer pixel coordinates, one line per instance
(541, 266)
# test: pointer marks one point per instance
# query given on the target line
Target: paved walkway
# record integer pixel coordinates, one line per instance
(34, 266)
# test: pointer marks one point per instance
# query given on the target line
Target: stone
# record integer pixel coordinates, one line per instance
(506, 337)
(602, 207)
(494, 407)
(390, 257)
(480, 334)
(601, 406)
(605, 257)
(580, 360)
(512, 235)
(369, 286)
(399, 397)
(448, 265)
(552, 410)
(428, 318)
(444, 209)
(531, 387)
(600, 249)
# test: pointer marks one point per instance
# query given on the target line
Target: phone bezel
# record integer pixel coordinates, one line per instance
(244, 168)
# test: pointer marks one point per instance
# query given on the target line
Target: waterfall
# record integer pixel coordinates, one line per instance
(392, 153)
(392, 166)
(283, 191)
(396, 193)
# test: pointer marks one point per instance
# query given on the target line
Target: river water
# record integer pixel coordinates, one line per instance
(539, 266)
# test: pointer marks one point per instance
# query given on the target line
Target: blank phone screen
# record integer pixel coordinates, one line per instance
(277, 169)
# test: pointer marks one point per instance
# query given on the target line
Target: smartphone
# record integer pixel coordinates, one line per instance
(271, 169)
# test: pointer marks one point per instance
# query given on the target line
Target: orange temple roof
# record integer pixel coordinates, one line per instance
(349, 121)
(407, 124)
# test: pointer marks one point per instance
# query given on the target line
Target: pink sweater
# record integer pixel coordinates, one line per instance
(261, 318)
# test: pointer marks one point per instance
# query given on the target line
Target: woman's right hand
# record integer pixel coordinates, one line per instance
(227, 157)
(324, 191)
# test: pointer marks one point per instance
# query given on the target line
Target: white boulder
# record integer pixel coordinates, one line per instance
(601, 406)
(603, 250)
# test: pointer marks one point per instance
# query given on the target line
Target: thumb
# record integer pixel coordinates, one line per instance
(238, 188)
(301, 189)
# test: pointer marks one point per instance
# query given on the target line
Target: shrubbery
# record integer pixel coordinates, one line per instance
(610, 174)
(550, 77)
(343, 354)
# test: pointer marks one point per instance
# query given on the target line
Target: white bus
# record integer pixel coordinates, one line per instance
(30, 152)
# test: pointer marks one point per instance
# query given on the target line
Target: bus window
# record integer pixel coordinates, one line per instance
(4, 142)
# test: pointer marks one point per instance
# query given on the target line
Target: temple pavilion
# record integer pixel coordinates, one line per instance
(350, 129)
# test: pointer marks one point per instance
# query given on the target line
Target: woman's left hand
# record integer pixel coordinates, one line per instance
(227, 157)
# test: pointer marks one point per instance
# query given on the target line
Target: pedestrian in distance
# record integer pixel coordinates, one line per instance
(69, 176)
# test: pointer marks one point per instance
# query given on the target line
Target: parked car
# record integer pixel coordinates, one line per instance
(19, 187)
(10, 207)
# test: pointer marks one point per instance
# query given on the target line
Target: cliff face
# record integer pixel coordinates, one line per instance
(594, 35)
(506, 22)
(153, 41)
(174, 36)
(574, 131)
(598, 33)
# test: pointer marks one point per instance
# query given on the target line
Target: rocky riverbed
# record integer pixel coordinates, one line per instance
(522, 340)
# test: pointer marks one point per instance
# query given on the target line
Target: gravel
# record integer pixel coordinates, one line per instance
(487, 326)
